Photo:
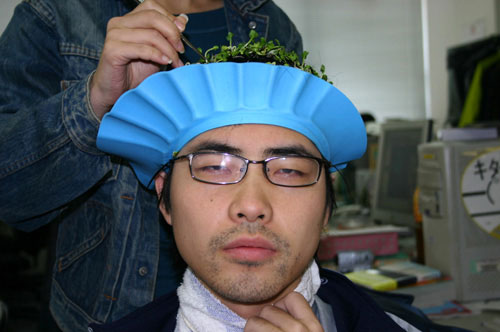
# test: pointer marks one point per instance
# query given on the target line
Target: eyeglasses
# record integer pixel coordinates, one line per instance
(226, 168)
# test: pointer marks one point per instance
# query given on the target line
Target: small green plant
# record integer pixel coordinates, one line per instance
(260, 50)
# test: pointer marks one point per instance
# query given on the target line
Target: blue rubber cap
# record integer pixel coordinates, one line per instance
(152, 122)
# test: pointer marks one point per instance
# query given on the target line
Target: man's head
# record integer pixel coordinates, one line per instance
(249, 241)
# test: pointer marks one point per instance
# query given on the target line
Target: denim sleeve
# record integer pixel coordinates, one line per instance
(282, 28)
(48, 155)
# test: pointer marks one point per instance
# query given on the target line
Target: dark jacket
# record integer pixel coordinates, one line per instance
(354, 309)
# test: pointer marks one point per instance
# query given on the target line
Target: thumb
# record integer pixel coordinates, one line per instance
(181, 21)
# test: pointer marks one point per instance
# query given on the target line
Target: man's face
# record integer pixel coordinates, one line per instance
(247, 242)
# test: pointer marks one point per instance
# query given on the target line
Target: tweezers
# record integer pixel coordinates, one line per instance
(188, 43)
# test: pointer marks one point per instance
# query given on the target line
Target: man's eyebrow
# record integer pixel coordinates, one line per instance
(297, 150)
(215, 146)
(287, 150)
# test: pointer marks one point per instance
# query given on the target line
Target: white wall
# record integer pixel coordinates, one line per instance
(385, 55)
(372, 51)
(497, 14)
(448, 23)
(6, 11)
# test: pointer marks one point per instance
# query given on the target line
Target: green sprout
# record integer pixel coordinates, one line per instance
(260, 50)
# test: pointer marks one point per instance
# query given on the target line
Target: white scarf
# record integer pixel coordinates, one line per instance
(200, 311)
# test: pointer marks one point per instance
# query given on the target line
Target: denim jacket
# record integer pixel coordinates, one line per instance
(107, 250)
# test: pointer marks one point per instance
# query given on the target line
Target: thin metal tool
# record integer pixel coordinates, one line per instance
(188, 43)
(184, 39)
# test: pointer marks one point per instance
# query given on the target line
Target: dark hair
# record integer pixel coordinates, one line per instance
(165, 194)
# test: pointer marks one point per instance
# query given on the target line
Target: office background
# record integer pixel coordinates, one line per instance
(388, 56)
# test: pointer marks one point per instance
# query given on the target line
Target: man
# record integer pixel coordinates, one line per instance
(64, 63)
(241, 157)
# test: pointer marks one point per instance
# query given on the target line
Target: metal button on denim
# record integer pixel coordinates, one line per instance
(252, 25)
(143, 271)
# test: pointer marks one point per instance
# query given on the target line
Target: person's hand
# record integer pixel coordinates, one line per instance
(136, 45)
(290, 314)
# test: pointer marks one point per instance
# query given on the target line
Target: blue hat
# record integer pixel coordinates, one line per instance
(152, 122)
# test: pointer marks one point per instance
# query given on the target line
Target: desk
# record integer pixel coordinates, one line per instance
(483, 315)
(430, 295)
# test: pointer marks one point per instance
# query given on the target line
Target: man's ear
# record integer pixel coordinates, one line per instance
(326, 220)
(159, 181)
(333, 176)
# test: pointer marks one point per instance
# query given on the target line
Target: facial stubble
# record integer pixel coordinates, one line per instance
(245, 285)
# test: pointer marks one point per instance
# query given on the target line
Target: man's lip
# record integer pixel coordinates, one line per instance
(250, 250)
(258, 243)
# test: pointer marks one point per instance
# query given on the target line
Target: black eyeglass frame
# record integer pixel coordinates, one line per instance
(321, 163)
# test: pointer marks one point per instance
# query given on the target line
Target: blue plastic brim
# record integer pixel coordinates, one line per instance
(151, 122)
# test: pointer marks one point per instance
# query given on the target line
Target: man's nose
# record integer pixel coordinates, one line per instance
(251, 200)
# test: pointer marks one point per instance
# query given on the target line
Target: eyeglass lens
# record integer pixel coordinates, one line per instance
(223, 168)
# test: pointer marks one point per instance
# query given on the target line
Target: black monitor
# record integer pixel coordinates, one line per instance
(396, 171)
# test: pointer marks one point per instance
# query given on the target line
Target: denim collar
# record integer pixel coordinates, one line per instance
(248, 5)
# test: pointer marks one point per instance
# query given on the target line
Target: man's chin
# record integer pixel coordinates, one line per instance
(249, 297)
(248, 288)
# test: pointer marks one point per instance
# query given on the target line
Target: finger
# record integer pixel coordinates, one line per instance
(123, 53)
(180, 20)
(297, 306)
(143, 37)
(153, 5)
(258, 324)
(282, 319)
(151, 19)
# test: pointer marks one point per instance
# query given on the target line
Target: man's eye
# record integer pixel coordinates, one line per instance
(288, 172)
(214, 169)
